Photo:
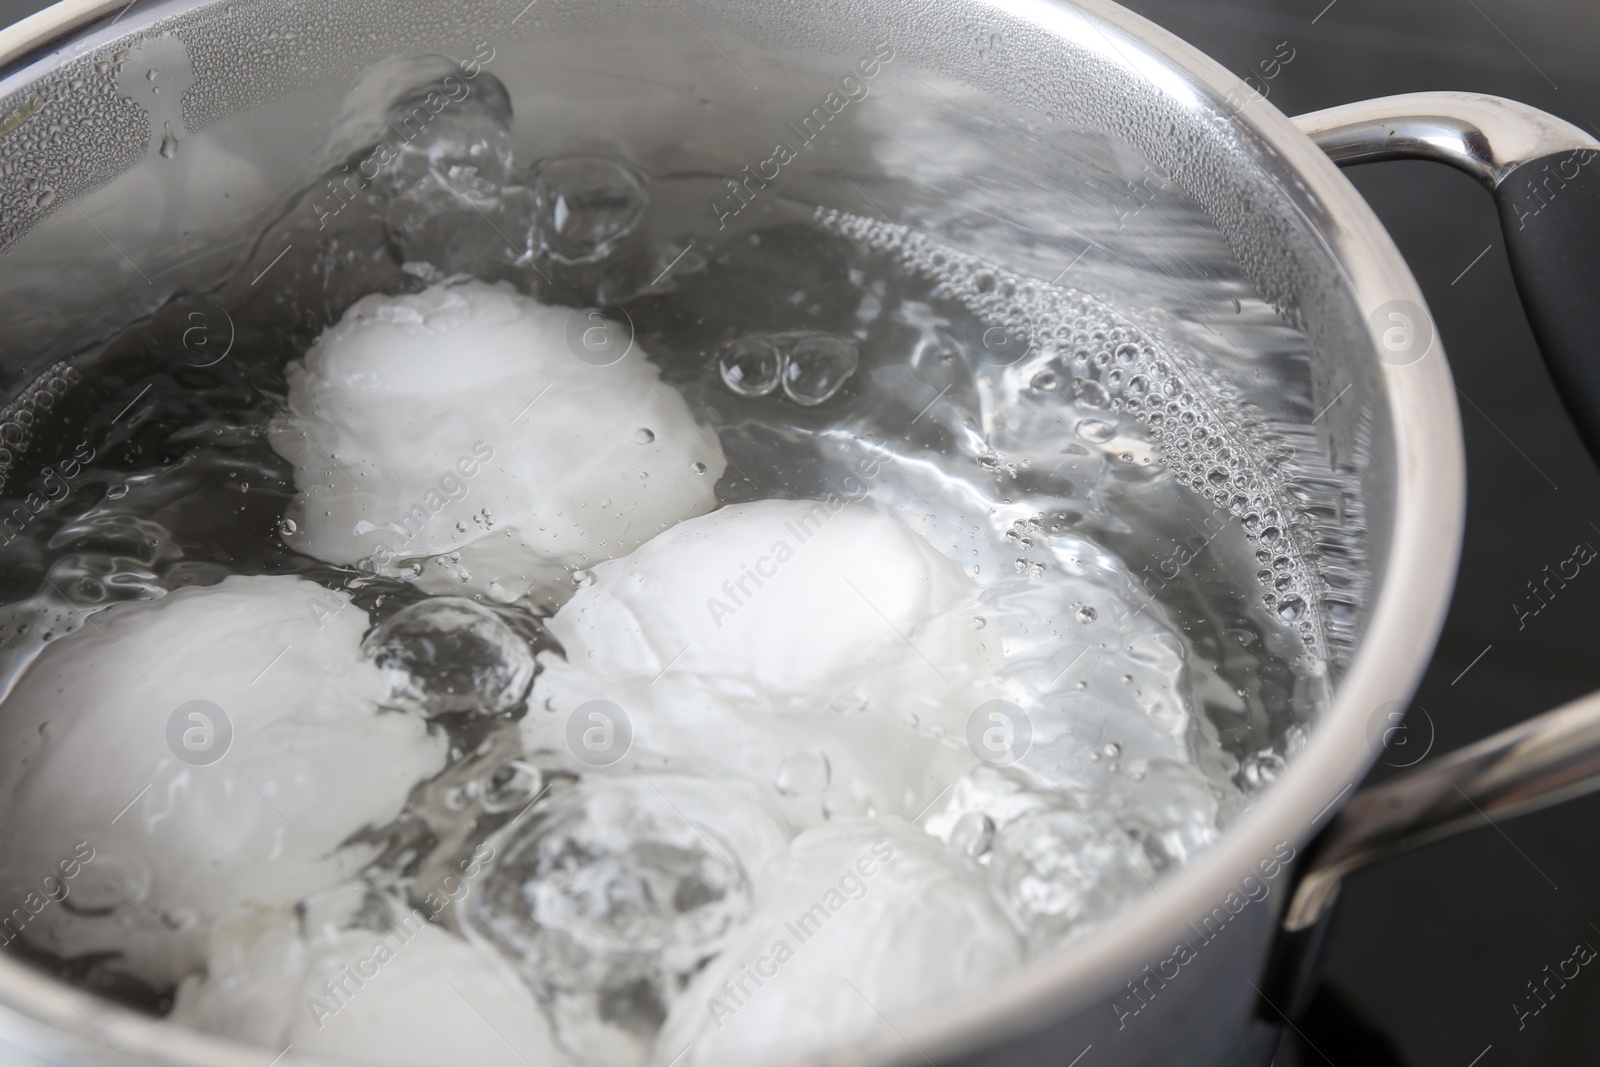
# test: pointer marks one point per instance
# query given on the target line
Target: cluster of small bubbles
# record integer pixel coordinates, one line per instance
(20, 417)
(1054, 870)
(810, 367)
(448, 654)
(1114, 367)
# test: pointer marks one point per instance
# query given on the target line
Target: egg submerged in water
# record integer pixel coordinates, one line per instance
(825, 649)
(862, 919)
(180, 762)
(408, 995)
(474, 427)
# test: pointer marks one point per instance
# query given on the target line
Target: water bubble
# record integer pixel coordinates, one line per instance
(169, 142)
(1086, 614)
(1096, 430)
(644, 436)
(1001, 344)
(586, 205)
(199, 733)
(287, 527)
(803, 774)
(697, 467)
(511, 787)
(751, 366)
(449, 654)
(819, 365)
(117, 492)
(1046, 381)
(610, 897)
(936, 361)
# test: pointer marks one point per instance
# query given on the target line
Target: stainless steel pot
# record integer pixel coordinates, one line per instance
(984, 94)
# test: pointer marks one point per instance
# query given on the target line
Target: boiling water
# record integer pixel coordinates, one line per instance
(1146, 600)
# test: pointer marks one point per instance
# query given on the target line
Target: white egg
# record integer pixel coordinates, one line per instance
(190, 759)
(860, 920)
(461, 422)
(413, 995)
(818, 647)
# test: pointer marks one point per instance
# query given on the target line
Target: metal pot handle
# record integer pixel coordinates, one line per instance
(1545, 175)
(1534, 765)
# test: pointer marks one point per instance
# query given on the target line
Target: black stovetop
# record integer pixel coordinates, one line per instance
(1430, 962)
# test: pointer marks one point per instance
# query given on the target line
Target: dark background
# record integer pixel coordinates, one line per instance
(1431, 950)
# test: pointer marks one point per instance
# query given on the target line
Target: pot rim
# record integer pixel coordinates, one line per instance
(1407, 614)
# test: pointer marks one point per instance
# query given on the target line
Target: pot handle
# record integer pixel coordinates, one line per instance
(1545, 176)
(1549, 759)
